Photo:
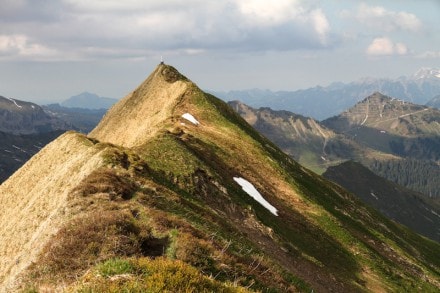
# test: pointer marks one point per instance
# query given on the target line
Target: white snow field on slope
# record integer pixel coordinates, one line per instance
(253, 192)
(191, 118)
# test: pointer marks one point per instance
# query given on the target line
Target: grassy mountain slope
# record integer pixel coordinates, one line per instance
(163, 211)
(143, 112)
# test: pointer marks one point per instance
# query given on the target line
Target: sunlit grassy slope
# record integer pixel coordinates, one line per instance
(163, 202)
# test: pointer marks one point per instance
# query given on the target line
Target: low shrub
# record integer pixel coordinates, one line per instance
(154, 275)
(106, 181)
(91, 239)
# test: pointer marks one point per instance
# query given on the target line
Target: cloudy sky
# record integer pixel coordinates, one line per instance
(53, 49)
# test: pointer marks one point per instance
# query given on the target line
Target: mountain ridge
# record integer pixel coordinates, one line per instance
(169, 194)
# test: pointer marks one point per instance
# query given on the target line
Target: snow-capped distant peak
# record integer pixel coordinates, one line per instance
(425, 73)
(190, 118)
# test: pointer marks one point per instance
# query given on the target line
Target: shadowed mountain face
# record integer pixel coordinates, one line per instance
(175, 190)
(18, 117)
(400, 204)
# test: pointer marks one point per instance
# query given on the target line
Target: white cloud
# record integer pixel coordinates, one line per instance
(285, 13)
(380, 18)
(321, 24)
(400, 49)
(193, 26)
(21, 46)
(265, 13)
(385, 46)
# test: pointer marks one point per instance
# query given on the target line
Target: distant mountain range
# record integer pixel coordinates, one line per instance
(323, 102)
(88, 100)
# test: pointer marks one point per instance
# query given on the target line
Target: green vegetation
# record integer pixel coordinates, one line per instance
(168, 154)
(114, 267)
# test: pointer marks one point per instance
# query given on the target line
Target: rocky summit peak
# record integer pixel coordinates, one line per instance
(170, 74)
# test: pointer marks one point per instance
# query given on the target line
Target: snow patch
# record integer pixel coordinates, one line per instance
(14, 102)
(375, 196)
(432, 211)
(190, 118)
(253, 192)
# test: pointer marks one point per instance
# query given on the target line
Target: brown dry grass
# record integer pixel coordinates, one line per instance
(141, 113)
